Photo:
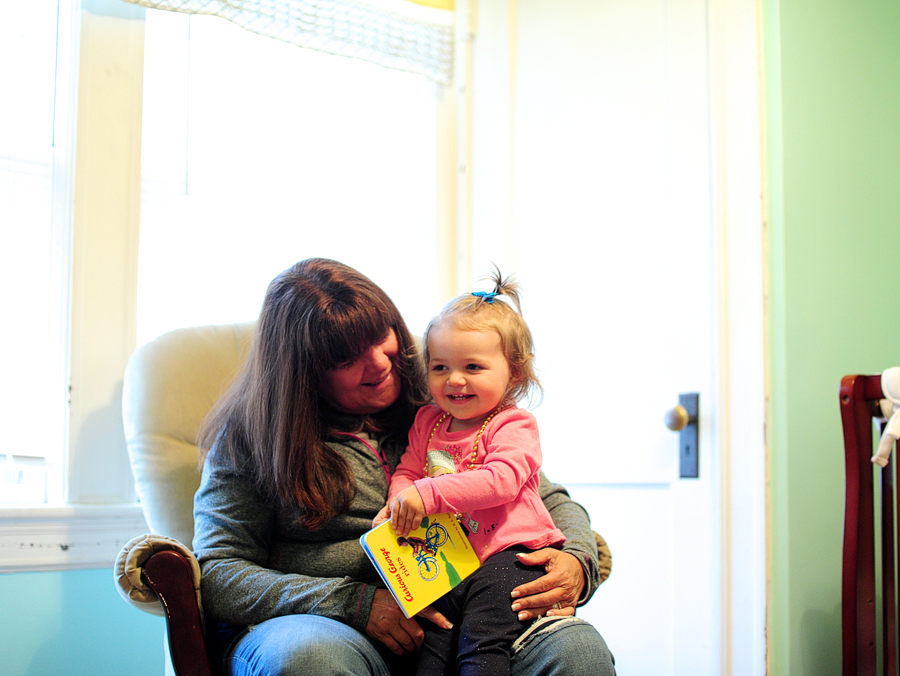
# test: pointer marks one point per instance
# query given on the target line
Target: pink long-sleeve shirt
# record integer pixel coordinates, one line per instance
(499, 498)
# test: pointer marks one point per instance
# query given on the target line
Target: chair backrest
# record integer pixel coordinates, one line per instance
(865, 642)
(170, 385)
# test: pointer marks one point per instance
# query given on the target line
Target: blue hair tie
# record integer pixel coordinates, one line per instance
(488, 296)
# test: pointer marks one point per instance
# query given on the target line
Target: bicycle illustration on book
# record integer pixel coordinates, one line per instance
(425, 550)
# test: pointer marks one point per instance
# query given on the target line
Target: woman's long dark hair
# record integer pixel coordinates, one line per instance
(316, 315)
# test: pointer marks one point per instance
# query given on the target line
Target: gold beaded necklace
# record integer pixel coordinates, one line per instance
(477, 436)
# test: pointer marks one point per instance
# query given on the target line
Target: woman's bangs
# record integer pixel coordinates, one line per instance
(346, 335)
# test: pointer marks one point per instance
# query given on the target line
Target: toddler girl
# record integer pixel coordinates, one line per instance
(474, 453)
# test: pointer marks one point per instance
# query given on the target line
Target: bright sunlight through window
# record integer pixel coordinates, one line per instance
(257, 154)
(33, 258)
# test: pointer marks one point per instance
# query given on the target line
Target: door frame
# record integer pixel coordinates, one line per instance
(737, 174)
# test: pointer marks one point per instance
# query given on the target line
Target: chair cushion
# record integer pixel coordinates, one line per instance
(129, 570)
(170, 385)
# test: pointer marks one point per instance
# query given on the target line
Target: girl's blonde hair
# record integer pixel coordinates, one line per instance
(482, 311)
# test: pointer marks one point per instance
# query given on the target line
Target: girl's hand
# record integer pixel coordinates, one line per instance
(383, 515)
(561, 585)
(407, 511)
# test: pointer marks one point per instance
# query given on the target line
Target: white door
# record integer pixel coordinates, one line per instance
(599, 177)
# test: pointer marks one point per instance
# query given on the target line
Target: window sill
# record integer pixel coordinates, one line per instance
(66, 537)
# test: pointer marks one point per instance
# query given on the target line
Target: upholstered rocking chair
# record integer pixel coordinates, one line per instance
(170, 385)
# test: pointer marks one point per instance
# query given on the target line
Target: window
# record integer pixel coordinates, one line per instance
(34, 257)
(257, 154)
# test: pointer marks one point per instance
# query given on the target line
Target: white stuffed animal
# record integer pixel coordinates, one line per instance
(890, 407)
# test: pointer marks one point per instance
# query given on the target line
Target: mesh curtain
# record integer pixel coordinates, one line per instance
(402, 35)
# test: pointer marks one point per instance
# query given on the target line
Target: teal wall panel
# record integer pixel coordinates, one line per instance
(74, 623)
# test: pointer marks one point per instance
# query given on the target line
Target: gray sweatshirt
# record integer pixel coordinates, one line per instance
(256, 563)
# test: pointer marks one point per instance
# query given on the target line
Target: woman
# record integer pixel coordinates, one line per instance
(301, 450)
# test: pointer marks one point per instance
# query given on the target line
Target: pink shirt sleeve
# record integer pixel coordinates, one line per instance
(412, 462)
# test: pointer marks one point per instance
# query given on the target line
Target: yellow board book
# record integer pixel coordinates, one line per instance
(425, 565)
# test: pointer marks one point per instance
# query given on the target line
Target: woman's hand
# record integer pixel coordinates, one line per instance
(561, 585)
(400, 634)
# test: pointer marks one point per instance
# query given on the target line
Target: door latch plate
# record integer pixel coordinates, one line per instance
(689, 437)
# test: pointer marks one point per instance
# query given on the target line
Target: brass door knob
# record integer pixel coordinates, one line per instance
(677, 418)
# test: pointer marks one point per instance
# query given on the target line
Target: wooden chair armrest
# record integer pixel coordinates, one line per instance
(168, 573)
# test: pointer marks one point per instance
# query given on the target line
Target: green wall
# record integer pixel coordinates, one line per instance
(74, 624)
(832, 71)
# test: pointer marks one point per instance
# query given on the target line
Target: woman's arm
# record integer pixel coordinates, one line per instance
(573, 520)
(232, 532)
(573, 574)
(236, 544)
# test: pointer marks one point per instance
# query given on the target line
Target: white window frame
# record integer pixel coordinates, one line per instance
(102, 205)
(99, 512)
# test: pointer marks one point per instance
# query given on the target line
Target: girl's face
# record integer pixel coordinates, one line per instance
(367, 385)
(468, 374)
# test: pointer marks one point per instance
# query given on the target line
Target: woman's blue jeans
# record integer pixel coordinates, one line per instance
(309, 645)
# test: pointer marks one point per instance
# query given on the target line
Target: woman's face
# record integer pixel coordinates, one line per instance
(367, 385)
